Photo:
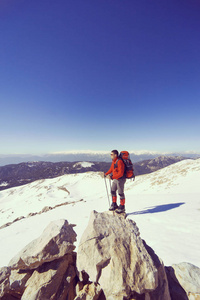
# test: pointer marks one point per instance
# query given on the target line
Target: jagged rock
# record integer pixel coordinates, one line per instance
(46, 208)
(17, 280)
(56, 274)
(184, 281)
(175, 289)
(162, 291)
(56, 241)
(54, 280)
(112, 253)
(4, 280)
(12, 283)
(90, 291)
(31, 215)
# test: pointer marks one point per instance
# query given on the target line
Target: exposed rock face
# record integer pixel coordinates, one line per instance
(17, 280)
(12, 283)
(52, 280)
(114, 263)
(90, 291)
(56, 240)
(4, 280)
(112, 253)
(184, 281)
(162, 291)
(45, 269)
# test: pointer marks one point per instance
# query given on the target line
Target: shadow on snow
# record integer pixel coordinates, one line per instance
(157, 209)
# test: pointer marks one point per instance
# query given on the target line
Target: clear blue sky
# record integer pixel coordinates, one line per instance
(99, 75)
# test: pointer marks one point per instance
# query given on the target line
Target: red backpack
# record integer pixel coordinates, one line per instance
(129, 171)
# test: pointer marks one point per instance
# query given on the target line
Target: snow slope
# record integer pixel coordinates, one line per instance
(165, 205)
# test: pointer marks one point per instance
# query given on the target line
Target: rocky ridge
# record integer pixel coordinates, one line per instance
(112, 262)
(27, 172)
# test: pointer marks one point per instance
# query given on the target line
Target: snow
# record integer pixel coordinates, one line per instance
(83, 164)
(136, 152)
(165, 205)
(80, 151)
(4, 184)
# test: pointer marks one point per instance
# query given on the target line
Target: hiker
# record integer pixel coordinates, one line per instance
(117, 174)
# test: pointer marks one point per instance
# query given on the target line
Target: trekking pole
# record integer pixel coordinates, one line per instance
(107, 191)
(110, 184)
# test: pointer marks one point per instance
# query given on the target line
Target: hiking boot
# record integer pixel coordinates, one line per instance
(120, 209)
(113, 206)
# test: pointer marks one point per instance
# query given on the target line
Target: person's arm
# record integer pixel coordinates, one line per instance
(110, 170)
(120, 170)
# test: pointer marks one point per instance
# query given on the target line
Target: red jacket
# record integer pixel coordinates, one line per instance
(118, 171)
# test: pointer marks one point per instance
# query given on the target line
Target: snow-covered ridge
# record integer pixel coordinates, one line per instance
(33, 197)
(181, 177)
(136, 152)
(81, 151)
(165, 205)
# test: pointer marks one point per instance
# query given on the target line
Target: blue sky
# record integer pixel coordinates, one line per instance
(99, 75)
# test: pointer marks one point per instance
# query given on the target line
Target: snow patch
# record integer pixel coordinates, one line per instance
(83, 164)
(4, 183)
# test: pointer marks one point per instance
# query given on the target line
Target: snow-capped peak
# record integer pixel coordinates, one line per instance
(83, 164)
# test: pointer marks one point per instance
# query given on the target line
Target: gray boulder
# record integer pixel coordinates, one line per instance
(4, 281)
(54, 280)
(45, 268)
(184, 281)
(56, 241)
(12, 283)
(112, 253)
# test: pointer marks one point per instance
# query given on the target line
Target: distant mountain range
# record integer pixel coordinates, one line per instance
(87, 155)
(26, 172)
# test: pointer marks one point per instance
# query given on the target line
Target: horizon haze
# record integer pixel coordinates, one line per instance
(89, 155)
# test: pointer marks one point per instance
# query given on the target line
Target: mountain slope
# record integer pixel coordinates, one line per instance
(19, 174)
(88, 155)
(181, 177)
(165, 205)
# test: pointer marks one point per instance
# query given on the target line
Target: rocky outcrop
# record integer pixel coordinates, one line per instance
(45, 269)
(44, 210)
(112, 253)
(12, 282)
(54, 280)
(184, 281)
(56, 240)
(112, 263)
(90, 291)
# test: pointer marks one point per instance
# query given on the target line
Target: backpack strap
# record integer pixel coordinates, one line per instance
(119, 158)
(115, 165)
